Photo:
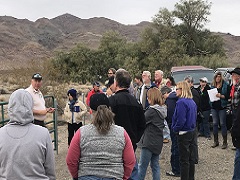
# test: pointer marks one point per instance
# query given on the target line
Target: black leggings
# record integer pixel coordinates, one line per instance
(72, 128)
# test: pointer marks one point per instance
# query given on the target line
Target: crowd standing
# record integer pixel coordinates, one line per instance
(101, 149)
(123, 118)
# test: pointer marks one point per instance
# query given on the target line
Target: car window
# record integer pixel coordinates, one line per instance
(196, 74)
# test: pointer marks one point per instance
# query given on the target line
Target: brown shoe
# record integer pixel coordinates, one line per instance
(165, 141)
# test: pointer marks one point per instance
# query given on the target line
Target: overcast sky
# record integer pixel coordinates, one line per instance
(225, 15)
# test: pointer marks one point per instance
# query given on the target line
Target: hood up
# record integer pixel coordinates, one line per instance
(20, 107)
(161, 109)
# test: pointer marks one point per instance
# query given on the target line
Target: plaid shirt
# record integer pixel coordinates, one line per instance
(236, 96)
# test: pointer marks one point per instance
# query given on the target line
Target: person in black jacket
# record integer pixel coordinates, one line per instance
(151, 142)
(236, 142)
(205, 107)
(128, 112)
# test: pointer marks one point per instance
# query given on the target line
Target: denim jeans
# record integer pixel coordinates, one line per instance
(94, 178)
(236, 173)
(147, 156)
(187, 155)
(174, 153)
(166, 131)
(204, 125)
(219, 115)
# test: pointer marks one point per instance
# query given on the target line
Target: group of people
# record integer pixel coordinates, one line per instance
(144, 115)
(25, 144)
(123, 118)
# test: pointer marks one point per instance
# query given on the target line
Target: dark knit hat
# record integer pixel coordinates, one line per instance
(97, 100)
(72, 92)
(165, 90)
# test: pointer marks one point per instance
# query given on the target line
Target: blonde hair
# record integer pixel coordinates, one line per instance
(103, 119)
(155, 96)
(185, 89)
(214, 83)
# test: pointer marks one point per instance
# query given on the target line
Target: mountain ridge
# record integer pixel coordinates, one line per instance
(23, 41)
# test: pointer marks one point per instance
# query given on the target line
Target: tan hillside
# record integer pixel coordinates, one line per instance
(23, 41)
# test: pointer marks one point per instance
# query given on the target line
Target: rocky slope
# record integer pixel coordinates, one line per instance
(23, 41)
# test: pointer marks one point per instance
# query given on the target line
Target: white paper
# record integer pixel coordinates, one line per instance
(212, 95)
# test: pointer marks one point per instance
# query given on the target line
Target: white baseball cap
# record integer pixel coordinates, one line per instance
(204, 79)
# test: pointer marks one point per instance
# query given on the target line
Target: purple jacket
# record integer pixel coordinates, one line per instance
(185, 115)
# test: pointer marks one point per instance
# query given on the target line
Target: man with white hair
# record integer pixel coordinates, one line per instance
(159, 81)
(147, 84)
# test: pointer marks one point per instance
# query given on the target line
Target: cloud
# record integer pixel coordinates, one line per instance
(225, 16)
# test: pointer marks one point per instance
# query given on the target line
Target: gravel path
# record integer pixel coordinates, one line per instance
(214, 164)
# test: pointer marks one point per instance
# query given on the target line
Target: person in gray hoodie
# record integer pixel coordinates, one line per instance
(151, 142)
(26, 150)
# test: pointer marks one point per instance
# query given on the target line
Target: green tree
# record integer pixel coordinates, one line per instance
(193, 15)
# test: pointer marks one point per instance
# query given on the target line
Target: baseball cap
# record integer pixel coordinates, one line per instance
(204, 79)
(37, 76)
(96, 84)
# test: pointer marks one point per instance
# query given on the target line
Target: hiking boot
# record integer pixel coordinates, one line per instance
(224, 146)
(216, 143)
(170, 173)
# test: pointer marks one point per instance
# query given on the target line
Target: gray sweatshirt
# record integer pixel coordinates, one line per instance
(26, 150)
(152, 137)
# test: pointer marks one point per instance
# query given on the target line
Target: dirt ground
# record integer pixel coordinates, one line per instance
(214, 164)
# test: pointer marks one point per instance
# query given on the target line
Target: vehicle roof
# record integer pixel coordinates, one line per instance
(184, 68)
(224, 69)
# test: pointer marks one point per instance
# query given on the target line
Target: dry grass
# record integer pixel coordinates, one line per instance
(21, 78)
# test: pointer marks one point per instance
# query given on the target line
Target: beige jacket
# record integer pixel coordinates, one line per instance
(78, 116)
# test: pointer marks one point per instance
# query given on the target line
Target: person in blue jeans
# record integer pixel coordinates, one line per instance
(151, 141)
(170, 101)
(219, 109)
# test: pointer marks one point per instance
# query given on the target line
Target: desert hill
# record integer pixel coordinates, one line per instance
(23, 41)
